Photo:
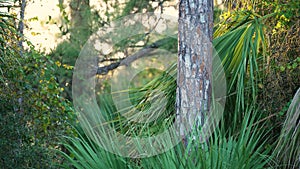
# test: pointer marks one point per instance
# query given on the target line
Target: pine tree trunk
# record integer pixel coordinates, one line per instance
(194, 64)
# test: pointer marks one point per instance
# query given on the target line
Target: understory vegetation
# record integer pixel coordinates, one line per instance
(257, 43)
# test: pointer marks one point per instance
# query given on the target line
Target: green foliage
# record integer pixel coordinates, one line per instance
(32, 112)
(148, 100)
(242, 150)
(137, 6)
(86, 154)
(240, 141)
(292, 66)
(281, 78)
(245, 149)
(240, 43)
(258, 43)
(84, 22)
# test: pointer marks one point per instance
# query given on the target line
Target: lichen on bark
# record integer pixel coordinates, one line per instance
(194, 63)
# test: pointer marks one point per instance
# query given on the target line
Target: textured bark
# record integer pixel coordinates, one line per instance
(194, 63)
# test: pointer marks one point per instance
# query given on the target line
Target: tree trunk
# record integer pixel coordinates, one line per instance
(21, 24)
(195, 32)
(80, 21)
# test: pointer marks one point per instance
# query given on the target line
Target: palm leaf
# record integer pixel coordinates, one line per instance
(287, 149)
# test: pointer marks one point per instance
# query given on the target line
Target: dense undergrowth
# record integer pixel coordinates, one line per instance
(258, 44)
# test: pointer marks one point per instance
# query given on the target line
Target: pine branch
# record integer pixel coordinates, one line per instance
(128, 60)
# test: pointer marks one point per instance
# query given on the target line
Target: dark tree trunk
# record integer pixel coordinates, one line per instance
(194, 63)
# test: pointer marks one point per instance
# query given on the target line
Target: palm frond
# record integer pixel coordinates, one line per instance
(287, 150)
(240, 50)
